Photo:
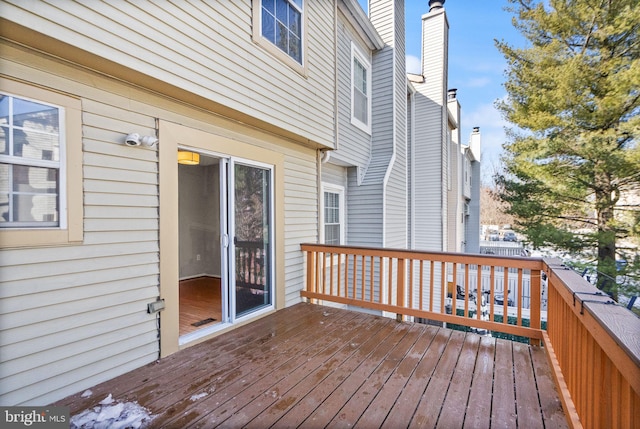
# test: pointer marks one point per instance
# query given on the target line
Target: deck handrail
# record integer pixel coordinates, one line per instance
(361, 272)
(593, 348)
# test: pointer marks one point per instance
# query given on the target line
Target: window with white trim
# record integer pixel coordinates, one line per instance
(360, 90)
(332, 214)
(281, 24)
(40, 166)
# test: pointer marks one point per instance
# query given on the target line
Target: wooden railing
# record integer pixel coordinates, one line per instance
(594, 348)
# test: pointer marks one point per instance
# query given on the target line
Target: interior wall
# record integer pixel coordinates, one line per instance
(199, 220)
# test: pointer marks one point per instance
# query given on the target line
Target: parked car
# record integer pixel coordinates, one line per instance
(509, 236)
(494, 236)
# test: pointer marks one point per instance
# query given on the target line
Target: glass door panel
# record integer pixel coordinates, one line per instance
(252, 238)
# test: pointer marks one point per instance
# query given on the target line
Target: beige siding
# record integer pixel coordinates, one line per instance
(73, 316)
(301, 218)
(200, 37)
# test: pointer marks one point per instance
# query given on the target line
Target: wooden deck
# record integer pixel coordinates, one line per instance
(312, 366)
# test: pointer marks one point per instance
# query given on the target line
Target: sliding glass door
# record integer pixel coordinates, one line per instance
(252, 237)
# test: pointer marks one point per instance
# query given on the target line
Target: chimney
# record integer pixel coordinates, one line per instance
(435, 4)
(451, 94)
(475, 143)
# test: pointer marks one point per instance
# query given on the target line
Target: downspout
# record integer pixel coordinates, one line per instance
(410, 177)
(323, 155)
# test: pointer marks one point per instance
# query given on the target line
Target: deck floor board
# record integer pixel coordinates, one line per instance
(313, 366)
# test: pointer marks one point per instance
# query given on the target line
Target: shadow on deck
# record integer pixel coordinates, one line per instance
(315, 366)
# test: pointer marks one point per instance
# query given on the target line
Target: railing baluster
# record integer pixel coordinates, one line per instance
(331, 265)
(363, 275)
(432, 285)
(373, 269)
(492, 278)
(534, 305)
(519, 296)
(505, 295)
(467, 291)
(421, 286)
(390, 284)
(409, 285)
(479, 293)
(346, 275)
(443, 284)
(454, 290)
(400, 302)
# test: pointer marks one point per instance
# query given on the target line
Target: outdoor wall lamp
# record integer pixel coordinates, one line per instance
(134, 139)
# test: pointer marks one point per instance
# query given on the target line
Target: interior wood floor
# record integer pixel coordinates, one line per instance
(200, 299)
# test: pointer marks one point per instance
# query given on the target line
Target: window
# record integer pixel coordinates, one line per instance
(30, 171)
(333, 214)
(281, 23)
(40, 138)
(360, 90)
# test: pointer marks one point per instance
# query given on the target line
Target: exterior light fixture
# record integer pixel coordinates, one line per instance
(134, 139)
(188, 158)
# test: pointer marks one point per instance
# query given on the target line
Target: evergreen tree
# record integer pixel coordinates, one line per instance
(572, 163)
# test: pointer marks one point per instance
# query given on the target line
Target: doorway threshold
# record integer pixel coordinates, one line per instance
(201, 333)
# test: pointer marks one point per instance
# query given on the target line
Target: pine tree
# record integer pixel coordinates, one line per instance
(572, 161)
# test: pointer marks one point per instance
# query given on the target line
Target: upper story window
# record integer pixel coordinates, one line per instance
(31, 169)
(40, 166)
(360, 90)
(281, 24)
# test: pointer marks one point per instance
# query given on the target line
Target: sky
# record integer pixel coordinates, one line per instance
(476, 67)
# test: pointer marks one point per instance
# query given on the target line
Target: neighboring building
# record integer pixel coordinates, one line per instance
(150, 146)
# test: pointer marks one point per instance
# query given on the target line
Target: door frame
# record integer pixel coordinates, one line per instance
(248, 148)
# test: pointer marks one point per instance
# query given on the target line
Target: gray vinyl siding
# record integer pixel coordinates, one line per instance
(354, 144)
(334, 175)
(430, 148)
(200, 37)
(364, 212)
(396, 187)
(367, 201)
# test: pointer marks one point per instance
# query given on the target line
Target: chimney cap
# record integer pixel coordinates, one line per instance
(476, 129)
(435, 4)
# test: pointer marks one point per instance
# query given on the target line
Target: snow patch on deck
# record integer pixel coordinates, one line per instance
(113, 415)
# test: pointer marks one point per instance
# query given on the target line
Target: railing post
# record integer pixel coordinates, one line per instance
(536, 297)
(311, 271)
(400, 301)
